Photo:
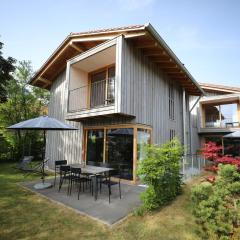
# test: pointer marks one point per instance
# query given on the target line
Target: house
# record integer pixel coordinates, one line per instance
(219, 114)
(122, 87)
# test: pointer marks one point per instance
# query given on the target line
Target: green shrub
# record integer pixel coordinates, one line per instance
(160, 170)
(201, 192)
(216, 207)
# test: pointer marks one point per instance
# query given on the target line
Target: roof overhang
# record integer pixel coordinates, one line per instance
(227, 98)
(143, 37)
(173, 67)
(219, 88)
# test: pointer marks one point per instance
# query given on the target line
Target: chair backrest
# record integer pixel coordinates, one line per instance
(64, 168)
(76, 172)
(116, 172)
(60, 162)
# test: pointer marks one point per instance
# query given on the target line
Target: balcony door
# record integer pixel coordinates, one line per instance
(102, 85)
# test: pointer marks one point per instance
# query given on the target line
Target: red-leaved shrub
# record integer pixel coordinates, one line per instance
(211, 151)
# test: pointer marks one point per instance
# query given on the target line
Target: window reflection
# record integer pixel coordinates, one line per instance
(95, 146)
(143, 138)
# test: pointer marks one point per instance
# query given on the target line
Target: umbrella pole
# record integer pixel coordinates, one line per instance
(43, 156)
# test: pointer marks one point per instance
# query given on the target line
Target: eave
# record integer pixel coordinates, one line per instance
(143, 37)
(219, 88)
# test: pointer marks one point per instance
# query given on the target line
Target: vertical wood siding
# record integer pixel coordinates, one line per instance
(144, 94)
(62, 144)
(144, 90)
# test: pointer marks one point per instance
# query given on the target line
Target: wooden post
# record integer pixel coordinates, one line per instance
(134, 154)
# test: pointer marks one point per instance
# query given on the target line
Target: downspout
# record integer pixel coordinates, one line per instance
(190, 122)
(184, 121)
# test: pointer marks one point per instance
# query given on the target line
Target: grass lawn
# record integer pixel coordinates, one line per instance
(25, 215)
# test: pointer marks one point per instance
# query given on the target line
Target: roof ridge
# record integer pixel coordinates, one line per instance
(103, 30)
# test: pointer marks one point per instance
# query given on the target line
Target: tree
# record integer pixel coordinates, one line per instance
(23, 102)
(6, 69)
(216, 207)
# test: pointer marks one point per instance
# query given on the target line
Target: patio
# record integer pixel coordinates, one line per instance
(100, 209)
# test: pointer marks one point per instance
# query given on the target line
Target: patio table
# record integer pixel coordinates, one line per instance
(94, 171)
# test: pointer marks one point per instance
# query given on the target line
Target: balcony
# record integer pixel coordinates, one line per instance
(219, 116)
(93, 83)
(97, 94)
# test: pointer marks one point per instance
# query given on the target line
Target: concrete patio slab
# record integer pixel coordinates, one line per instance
(99, 209)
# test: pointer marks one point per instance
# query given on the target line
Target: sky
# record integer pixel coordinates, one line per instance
(204, 34)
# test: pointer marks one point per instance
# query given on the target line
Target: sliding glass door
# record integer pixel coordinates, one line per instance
(119, 146)
(119, 150)
(95, 140)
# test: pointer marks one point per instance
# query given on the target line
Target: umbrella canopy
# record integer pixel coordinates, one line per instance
(42, 123)
(233, 135)
(122, 131)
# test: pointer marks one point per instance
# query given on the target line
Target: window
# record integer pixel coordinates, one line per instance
(95, 141)
(172, 134)
(119, 150)
(121, 146)
(143, 138)
(171, 102)
(102, 87)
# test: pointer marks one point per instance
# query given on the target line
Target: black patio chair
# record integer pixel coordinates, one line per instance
(77, 178)
(57, 165)
(116, 173)
(65, 174)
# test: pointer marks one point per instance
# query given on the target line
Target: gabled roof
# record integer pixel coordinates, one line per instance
(219, 88)
(143, 37)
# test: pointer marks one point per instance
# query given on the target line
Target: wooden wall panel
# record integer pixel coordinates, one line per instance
(144, 90)
(62, 144)
(144, 94)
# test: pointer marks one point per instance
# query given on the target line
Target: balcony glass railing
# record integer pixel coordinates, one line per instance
(97, 94)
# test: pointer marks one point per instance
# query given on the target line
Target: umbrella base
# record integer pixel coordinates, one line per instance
(40, 186)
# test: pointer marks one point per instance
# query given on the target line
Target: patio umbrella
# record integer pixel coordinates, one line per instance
(43, 123)
(122, 131)
(233, 135)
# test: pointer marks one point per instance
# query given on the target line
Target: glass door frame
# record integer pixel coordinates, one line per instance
(135, 128)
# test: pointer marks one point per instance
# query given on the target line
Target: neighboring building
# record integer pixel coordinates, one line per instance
(219, 113)
(122, 87)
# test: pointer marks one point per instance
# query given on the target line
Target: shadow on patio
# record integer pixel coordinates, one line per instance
(99, 209)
